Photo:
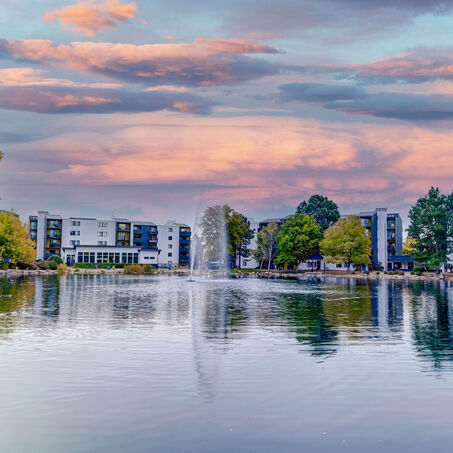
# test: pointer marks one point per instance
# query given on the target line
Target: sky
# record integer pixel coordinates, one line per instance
(152, 109)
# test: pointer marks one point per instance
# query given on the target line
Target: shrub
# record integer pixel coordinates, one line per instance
(53, 265)
(4, 265)
(84, 265)
(22, 265)
(43, 265)
(133, 269)
(99, 265)
(32, 266)
(148, 269)
(62, 269)
(419, 268)
(57, 259)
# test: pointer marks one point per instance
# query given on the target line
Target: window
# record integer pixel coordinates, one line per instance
(170, 230)
(102, 224)
(75, 222)
(102, 234)
(102, 242)
(75, 233)
(80, 257)
(75, 242)
(170, 246)
(170, 238)
(170, 254)
(121, 236)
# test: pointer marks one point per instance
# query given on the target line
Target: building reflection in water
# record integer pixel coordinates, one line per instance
(321, 316)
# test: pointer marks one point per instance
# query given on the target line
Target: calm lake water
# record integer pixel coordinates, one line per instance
(113, 363)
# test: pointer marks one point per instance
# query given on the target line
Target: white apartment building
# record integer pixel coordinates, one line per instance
(118, 240)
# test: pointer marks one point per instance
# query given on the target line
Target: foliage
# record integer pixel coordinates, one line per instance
(62, 269)
(297, 240)
(346, 242)
(148, 269)
(266, 244)
(22, 265)
(419, 269)
(409, 246)
(213, 231)
(53, 265)
(14, 241)
(222, 225)
(324, 211)
(43, 265)
(4, 265)
(429, 226)
(55, 258)
(239, 235)
(133, 269)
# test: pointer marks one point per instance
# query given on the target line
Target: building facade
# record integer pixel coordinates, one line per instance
(118, 240)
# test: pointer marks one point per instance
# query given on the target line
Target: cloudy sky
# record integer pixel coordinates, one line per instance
(152, 108)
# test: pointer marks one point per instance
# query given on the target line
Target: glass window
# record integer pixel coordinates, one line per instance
(111, 257)
(124, 257)
(80, 257)
(92, 257)
(102, 224)
(117, 257)
(121, 236)
(170, 254)
(170, 230)
(170, 238)
(135, 258)
(86, 257)
(99, 257)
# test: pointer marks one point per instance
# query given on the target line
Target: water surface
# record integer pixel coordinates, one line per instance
(144, 364)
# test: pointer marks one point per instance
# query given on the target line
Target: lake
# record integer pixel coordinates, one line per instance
(115, 363)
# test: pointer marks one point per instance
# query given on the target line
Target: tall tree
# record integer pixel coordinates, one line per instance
(429, 226)
(297, 240)
(214, 232)
(14, 240)
(266, 244)
(224, 232)
(346, 242)
(239, 236)
(409, 246)
(324, 211)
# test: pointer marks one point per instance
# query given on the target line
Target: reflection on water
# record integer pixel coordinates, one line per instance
(117, 360)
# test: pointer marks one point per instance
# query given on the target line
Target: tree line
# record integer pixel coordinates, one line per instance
(316, 228)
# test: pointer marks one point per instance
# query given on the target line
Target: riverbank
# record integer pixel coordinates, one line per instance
(428, 276)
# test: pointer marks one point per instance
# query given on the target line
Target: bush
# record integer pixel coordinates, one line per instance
(4, 265)
(84, 265)
(32, 266)
(57, 259)
(148, 269)
(22, 265)
(419, 269)
(43, 265)
(133, 269)
(62, 269)
(53, 265)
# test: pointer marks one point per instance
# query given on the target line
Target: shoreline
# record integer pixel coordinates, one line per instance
(243, 274)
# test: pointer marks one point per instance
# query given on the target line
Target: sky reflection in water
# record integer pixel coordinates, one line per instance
(123, 363)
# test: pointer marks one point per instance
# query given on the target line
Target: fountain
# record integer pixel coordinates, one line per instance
(209, 244)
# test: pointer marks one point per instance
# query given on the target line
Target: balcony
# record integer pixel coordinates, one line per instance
(184, 242)
(185, 233)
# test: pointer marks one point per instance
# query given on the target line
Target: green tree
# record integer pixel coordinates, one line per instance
(225, 231)
(14, 240)
(266, 244)
(346, 242)
(214, 231)
(239, 236)
(297, 240)
(324, 211)
(429, 226)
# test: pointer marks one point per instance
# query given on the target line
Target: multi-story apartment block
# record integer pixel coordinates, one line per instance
(119, 240)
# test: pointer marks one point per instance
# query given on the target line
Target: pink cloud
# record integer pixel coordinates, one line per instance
(88, 18)
(256, 161)
(204, 62)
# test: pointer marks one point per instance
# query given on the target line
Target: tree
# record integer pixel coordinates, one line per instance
(224, 232)
(429, 226)
(409, 246)
(297, 240)
(346, 242)
(14, 241)
(266, 242)
(324, 211)
(239, 235)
